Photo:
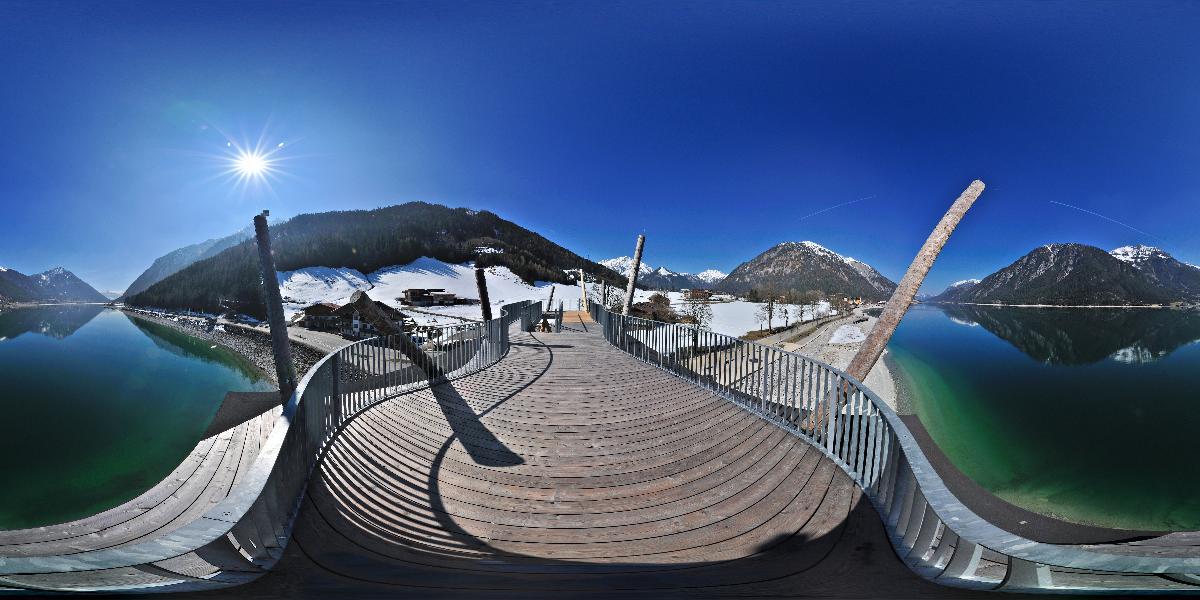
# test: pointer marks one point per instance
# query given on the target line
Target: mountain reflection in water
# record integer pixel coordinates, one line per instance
(56, 321)
(1068, 336)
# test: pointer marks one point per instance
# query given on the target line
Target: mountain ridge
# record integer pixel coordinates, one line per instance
(367, 240)
(1073, 274)
(663, 278)
(53, 285)
(180, 258)
(805, 266)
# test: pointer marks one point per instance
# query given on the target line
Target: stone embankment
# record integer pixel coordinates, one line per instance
(253, 344)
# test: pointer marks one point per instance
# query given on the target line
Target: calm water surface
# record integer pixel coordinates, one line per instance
(98, 407)
(1091, 415)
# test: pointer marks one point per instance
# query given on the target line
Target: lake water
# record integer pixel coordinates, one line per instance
(1090, 415)
(98, 407)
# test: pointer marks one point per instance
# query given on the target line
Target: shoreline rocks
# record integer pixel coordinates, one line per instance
(252, 344)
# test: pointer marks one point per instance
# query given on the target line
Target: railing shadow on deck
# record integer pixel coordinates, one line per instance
(935, 534)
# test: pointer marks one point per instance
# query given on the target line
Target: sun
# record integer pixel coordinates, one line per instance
(251, 165)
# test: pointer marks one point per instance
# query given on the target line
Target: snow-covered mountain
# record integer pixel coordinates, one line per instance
(955, 291)
(805, 266)
(1163, 269)
(663, 278)
(1074, 274)
(55, 285)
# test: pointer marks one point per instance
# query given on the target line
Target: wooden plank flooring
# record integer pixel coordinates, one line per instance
(203, 479)
(570, 469)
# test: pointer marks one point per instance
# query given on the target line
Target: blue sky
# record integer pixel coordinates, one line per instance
(715, 128)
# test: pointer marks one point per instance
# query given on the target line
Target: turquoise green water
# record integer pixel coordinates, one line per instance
(1090, 415)
(98, 407)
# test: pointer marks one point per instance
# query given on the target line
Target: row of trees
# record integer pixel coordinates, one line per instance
(785, 305)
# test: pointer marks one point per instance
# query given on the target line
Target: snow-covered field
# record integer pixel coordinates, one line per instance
(739, 316)
(308, 286)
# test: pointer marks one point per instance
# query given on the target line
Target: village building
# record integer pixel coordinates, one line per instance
(429, 297)
(326, 316)
(321, 317)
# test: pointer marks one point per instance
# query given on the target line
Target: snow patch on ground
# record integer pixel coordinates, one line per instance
(310, 285)
(738, 317)
(847, 334)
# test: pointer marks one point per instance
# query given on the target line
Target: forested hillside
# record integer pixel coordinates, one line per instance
(177, 260)
(367, 240)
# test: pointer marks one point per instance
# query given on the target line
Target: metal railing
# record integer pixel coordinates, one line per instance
(936, 535)
(244, 535)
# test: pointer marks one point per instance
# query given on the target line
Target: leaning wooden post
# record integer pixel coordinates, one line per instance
(281, 346)
(484, 303)
(872, 348)
(637, 264)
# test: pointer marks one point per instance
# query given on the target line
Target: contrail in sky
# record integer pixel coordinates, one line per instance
(825, 210)
(1109, 219)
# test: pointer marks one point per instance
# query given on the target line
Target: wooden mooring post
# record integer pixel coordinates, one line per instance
(484, 303)
(281, 346)
(637, 264)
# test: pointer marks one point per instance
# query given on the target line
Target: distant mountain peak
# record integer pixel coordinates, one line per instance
(1081, 275)
(804, 266)
(963, 282)
(662, 278)
(54, 285)
(1138, 254)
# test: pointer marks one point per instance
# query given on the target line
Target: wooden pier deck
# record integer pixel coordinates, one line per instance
(569, 469)
(204, 478)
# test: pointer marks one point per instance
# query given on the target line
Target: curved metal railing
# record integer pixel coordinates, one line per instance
(243, 536)
(936, 535)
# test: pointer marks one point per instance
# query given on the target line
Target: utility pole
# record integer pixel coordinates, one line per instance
(281, 346)
(637, 265)
(484, 303)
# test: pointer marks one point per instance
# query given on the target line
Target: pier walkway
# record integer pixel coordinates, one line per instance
(571, 467)
(620, 457)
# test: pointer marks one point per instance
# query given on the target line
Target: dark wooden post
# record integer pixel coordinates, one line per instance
(582, 290)
(484, 303)
(637, 264)
(281, 346)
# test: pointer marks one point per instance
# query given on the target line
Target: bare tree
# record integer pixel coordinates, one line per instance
(769, 309)
(699, 313)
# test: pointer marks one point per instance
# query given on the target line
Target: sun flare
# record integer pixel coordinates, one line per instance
(251, 164)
